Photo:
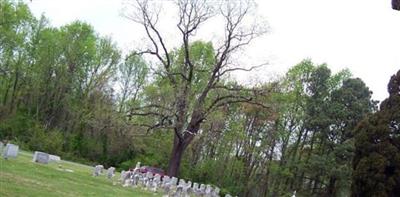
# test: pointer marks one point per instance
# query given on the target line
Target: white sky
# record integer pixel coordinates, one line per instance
(362, 35)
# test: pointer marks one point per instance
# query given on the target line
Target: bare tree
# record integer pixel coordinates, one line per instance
(186, 114)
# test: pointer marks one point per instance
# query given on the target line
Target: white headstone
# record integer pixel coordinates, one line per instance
(54, 158)
(110, 172)
(123, 175)
(209, 190)
(41, 157)
(11, 150)
(174, 180)
(202, 190)
(137, 165)
(195, 185)
(98, 169)
(182, 182)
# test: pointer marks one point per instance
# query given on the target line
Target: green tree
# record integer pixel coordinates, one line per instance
(376, 162)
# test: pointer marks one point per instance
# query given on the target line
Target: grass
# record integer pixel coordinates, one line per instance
(22, 177)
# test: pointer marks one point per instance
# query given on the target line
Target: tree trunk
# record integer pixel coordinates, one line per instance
(176, 155)
(332, 186)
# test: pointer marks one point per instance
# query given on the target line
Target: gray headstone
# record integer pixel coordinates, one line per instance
(41, 157)
(11, 150)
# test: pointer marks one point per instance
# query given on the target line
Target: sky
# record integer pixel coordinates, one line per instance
(361, 35)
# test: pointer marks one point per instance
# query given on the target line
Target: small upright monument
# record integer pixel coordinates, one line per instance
(10, 151)
(41, 157)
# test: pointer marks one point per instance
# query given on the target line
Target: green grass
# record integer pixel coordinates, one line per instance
(22, 177)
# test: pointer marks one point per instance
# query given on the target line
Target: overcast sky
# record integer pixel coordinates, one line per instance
(361, 35)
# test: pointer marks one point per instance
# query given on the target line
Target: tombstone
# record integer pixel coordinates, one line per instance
(202, 190)
(54, 158)
(228, 195)
(174, 180)
(98, 170)
(41, 157)
(208, 191)
(170, 186)
(110, 172)
(11, 150)
(187, 189)
(216, 192)
(195, 188)
(123, 175)
(137, 165)
(156, 182)
(165, 182)
(179, 188)
(181, 182)
(136, 179)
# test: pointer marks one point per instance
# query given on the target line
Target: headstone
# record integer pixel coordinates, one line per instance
(216, 192)
(110, 172)
(98, 170)
(11, 150)
(136, 179)
(137, 165)
(202, 190)
(208, 191)
(174, 180)
(172, 184)
(195, 188)
(228, 195)
(54, 158)
(41, 157)
(156, 182)
(165, 179)
(123, 175)
(187, 189)
(181, 185)
(148, 180)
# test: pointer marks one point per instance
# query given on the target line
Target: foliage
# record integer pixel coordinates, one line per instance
(377, 144)
(67, 91)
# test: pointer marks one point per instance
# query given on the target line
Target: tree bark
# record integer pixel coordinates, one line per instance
(178, 149)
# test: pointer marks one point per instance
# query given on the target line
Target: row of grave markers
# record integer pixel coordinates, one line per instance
(169, 186)
(12, 150)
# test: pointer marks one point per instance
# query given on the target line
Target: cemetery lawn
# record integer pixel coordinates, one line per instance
(22, 177)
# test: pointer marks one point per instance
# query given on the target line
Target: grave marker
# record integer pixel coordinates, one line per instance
(10, 151)
(41, 157)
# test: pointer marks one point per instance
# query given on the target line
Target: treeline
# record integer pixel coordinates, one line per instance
(71, 92)
(57, 88)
